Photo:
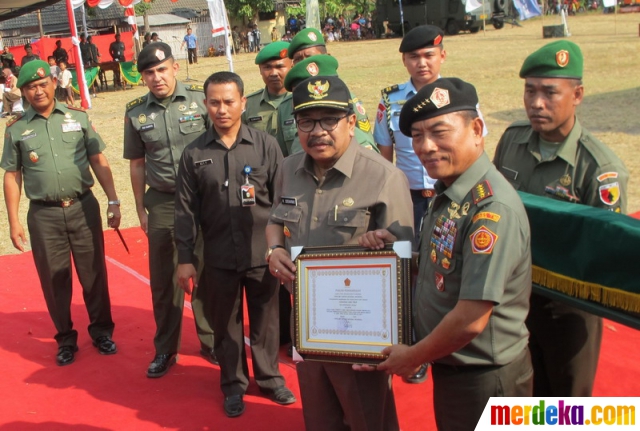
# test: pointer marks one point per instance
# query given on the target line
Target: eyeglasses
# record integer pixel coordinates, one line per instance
(326, 123)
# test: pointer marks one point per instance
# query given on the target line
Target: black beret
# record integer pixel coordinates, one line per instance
(321, 92)
(153, 54)
(442, 96)
(423, 36)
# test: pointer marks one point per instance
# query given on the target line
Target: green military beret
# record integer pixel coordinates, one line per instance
(424, 36)
(152, 55)
(273, 51)
(441, 97)
(560, 59)
(316, 65)
(305, 39)
(32, 71)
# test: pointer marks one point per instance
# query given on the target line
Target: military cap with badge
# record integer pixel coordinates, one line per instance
(321, 92)
(307, 38)
(560, 59)
(273, 51)
(33, 71)
(423, 36)
(153, 54)
(441, 97)
(316, 65)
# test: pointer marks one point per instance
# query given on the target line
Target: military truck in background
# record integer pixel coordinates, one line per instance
(450, 15)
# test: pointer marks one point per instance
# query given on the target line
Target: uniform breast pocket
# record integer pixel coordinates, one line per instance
(289, 130)
(258, 177)
(352, 222)
(73, 143)
(395, 121)
(511, 176)
(194, 126)
(150, 136)
(290, 216)
(31, 150)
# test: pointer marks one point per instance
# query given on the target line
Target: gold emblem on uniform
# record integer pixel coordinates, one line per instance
(565, 180)
(445, 263)
(287, 232)
(33, 156)
(562, 58)
(348, 202)
(433, 256)
(193, 105)
(318, 90)
(453, 210)
(465, 208)
(67, 115)
(142, 118)
(182, 108)
(27, 132)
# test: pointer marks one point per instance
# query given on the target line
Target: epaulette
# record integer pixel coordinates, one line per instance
(136, 102)
(391, 89)
(481, 191)
(255, 93)
(13, 120)
(73, 108)
(195, 87)
(519, 123)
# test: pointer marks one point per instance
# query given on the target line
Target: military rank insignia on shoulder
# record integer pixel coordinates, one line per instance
(481, 191)
(365, 126)
(195, 87)
(136, 102)
(391, 89)
(13, 120)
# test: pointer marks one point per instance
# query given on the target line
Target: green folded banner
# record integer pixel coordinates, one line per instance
(90, 75)
(130, 73)
(585, 252)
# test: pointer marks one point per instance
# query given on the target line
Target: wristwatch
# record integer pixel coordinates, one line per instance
(116, 202)
(267, 255)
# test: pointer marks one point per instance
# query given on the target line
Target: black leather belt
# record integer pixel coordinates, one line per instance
(426, 193)
(64, 203)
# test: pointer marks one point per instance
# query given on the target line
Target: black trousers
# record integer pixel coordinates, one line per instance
(193, 55)
(261, 291)
(57, 235)
(565, 347)
(461, 393)
(167, 296)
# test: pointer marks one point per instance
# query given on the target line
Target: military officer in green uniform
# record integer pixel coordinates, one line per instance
(262, 104)
(553, 155)
(474, 264)
(157, 128)
(53, 149)
(309, 42)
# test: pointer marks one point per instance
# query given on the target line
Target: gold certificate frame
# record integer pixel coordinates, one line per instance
(350, 303)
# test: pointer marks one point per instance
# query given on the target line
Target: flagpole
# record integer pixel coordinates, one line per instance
(85, 101)
(227, 45)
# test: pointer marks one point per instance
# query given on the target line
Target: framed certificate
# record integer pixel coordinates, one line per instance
(351, 302)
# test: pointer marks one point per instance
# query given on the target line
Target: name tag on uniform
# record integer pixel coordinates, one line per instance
(288, 201)
(71, 127)
(396, 113)
(147, 127)
(255, 119)
(203, 162)
(32, 135)
(289, 122)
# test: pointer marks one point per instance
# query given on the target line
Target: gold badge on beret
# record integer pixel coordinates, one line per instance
(33, 156)
(440, 97)
(562, 57)
(318, 90)
(142, 118)
(313, 69)
(159, 54)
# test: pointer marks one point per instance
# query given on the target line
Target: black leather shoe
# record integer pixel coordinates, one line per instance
(66, 355)
(105, 345)
(418, 377)
(233, 406)
(209, 355)
(160, 365)
(280, 395)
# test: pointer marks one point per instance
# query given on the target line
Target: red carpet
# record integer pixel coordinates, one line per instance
(113, 393)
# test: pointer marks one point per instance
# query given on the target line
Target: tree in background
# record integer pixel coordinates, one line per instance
(248, 9)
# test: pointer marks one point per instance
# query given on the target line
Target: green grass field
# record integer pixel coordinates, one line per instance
(490, 61)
